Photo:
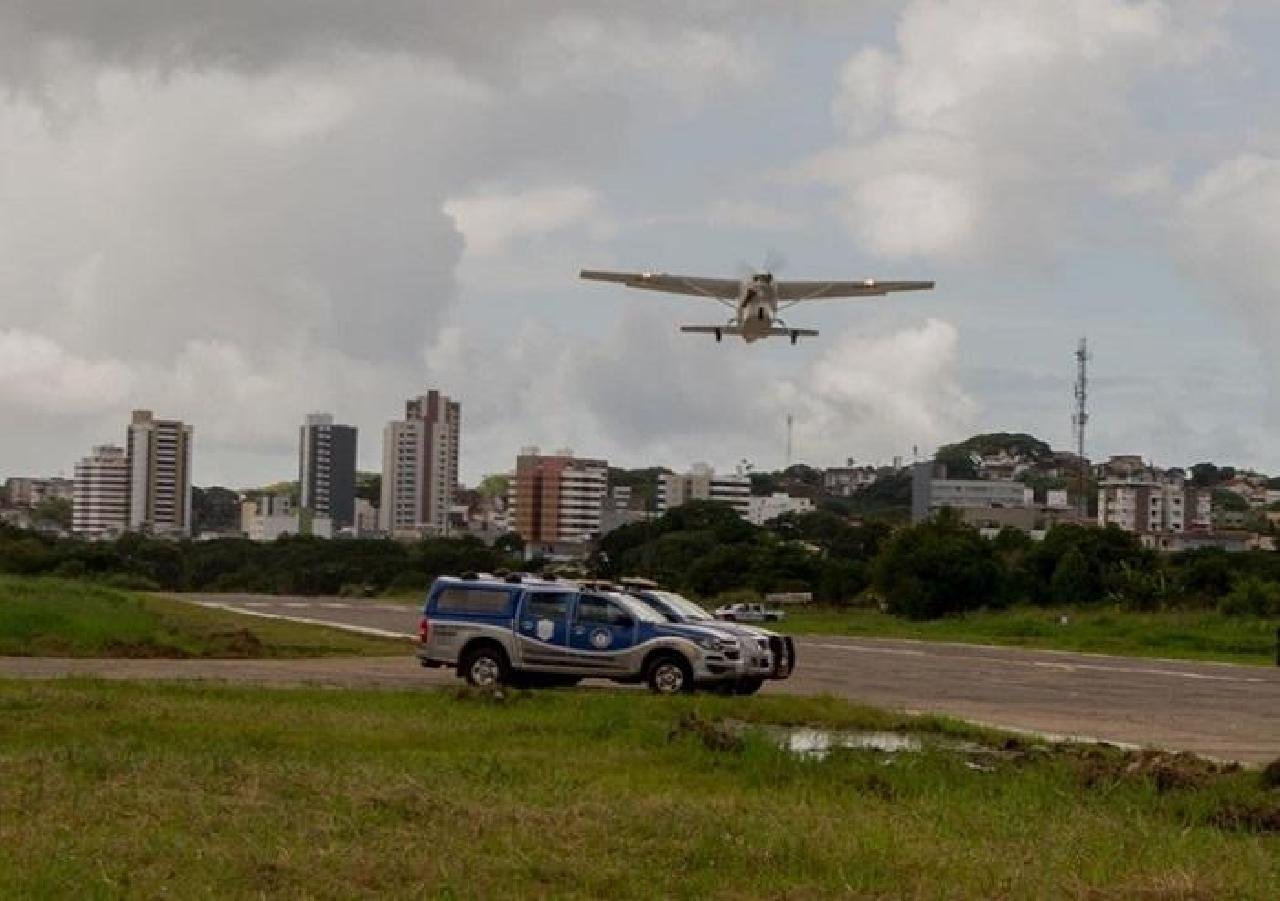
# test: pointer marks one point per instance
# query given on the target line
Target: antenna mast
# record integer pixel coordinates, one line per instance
(790, 423)
(1080, 418)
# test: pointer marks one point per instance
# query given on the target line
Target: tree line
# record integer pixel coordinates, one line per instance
(703, 548)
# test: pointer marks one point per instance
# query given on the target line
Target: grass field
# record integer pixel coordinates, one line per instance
(149, 790)
(52, 617)
(1190, 635)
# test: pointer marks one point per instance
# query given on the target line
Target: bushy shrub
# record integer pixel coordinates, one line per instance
(1252, 596)
(936, 568)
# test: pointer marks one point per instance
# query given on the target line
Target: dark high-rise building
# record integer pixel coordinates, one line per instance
(327, 470)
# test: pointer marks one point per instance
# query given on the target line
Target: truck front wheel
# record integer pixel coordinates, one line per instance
(670, 674)
(485, 666)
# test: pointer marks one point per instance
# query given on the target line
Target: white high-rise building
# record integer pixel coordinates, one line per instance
(100, 499)
(420, 467)
(159, 452)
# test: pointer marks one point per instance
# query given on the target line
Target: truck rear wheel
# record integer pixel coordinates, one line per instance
(485, 666)
(670, 674)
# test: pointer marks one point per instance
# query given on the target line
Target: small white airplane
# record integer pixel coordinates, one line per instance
(755, 300)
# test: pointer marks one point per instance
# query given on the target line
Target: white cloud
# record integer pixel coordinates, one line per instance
(882, 394)
(645, 394)
(38, 374)
(490, 221)
(987, 126)
(1228, 234)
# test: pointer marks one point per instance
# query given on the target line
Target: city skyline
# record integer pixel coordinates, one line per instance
(181, 245)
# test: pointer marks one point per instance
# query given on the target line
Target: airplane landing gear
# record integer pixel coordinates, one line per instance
(719, 336)
(795, 336)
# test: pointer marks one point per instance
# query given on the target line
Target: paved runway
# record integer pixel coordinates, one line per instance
(1220, 710)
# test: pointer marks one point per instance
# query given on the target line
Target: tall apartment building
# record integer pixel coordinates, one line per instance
(100, 500)
(1150, 505)
(702, 483)
(420, 467)
(327, 470)
(159, 452)
(556, 500)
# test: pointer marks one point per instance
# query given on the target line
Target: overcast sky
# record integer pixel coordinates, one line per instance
(236, 213)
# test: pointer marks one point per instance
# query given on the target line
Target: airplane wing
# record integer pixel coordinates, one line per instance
(717, 288)
(794, 291)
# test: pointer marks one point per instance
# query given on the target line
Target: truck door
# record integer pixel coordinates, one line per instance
(602, 631)
(543, 629)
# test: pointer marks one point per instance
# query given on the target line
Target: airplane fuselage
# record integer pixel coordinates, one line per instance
(757, 307)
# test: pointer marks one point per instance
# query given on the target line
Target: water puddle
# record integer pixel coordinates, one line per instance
(818, 744)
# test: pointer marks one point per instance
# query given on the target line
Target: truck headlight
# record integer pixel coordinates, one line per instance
(717, 644)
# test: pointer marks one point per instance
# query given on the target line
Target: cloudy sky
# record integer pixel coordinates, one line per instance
(239, 212)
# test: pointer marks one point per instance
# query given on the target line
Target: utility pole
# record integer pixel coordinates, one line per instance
(790, 423)
(1080, 418)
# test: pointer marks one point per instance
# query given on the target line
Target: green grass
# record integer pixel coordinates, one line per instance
(1189, 635)
(52, 617)
(146, 790)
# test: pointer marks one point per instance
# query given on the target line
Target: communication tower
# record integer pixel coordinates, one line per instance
(1080, 419)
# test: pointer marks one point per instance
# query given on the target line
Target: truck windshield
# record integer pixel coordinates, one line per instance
(641, 611)
(683, 607)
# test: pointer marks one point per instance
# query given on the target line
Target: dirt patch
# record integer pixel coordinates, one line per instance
(237, 643)
(714, 736)
(496, 695)
(143, 650)
(1166, 770)
(1261, 817)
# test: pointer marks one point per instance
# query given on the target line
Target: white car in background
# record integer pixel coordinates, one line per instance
(749, 613)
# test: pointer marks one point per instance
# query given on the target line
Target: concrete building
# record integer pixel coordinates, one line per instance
(702, 483)
(366, 518)
(930, 494)
(556, 501)
(761, 510)
(159, 452)
(327, 469)
(1231, 541)
(616, 510)
(420, 467)
(268, 517)
(100, 502)
(846, 481)
(26, 493)
(1148, 505)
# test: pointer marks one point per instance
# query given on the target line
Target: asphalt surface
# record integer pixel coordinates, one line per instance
(1219, 710)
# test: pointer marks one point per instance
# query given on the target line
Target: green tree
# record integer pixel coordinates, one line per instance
(1072, 582)
(55, 510)
(369, 487)
(494, 485)
(1252, 596)
(936, 568)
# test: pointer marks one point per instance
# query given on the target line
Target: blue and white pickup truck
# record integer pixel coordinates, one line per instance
(526, 631)
(765, 654)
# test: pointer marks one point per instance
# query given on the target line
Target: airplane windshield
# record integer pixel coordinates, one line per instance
(683, 606)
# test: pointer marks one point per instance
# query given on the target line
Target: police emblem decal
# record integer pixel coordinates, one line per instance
(601, 639)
